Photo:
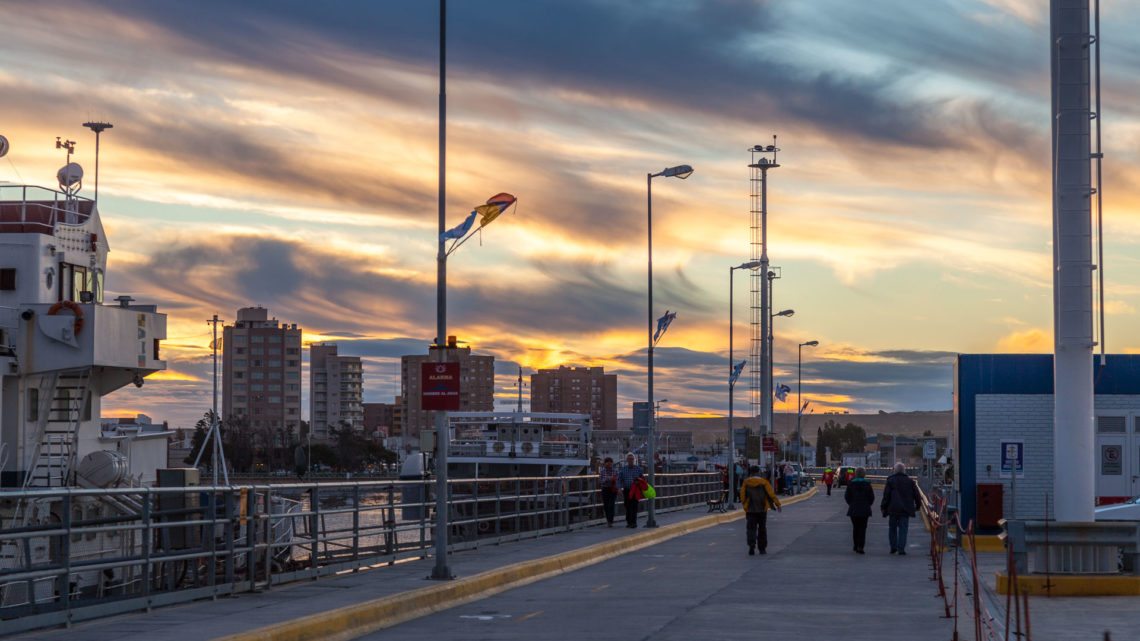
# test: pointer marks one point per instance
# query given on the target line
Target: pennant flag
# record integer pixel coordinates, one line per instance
(663, 324)
(460, 230)
(736, 372)
(806, 403)
(782, 392)
(496, 205)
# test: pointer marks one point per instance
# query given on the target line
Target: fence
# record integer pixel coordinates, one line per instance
(71, 555)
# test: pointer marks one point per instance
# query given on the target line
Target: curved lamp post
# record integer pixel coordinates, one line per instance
(799, 400)
(729, 459)
(680, 171)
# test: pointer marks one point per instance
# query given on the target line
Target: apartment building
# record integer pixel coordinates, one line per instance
(261, 372)
(576, 390)
(476, 379)
(336, 391)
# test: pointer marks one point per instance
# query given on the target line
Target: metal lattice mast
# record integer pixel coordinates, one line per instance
(759, 364)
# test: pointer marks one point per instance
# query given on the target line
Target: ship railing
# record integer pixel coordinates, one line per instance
(30, 209)
(99, 552)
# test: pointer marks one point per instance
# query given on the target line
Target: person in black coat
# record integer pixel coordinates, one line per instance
(860, 497)
(900, 502)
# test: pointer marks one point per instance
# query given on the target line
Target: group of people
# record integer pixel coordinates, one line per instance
(900, 502)
(628, 481)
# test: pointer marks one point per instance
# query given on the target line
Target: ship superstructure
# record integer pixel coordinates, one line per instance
(61, 348)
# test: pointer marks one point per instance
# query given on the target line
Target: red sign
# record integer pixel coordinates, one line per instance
(769, 444)
(439, 386)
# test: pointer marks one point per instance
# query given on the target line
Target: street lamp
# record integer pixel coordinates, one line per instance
(682, 172)
(728, 460)
(799, 400)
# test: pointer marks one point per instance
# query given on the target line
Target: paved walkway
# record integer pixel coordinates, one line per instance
(689, 578)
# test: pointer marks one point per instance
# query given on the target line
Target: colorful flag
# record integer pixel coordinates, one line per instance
(496, 205)
(736, 372)
(460, 230)
(806, 403)
(663, 324)
(782, 392)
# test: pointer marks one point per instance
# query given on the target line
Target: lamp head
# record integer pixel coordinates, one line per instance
(752, 264)
(786, 312)
(810, 343)
(680, 171)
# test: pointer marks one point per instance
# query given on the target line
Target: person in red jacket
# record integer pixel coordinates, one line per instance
(850, 474)
(828, 479)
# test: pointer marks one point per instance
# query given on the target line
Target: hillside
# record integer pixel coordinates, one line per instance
(707, 430)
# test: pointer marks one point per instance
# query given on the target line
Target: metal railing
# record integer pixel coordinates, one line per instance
(78, 554)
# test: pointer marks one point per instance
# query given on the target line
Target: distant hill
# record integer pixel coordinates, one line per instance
(707, 430)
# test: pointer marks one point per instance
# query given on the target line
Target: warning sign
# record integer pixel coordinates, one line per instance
(1111, 460)
(439, 386)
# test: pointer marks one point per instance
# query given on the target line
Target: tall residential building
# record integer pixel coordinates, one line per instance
(476, 380)
(336, 390)
(576, 390)
(261, 372)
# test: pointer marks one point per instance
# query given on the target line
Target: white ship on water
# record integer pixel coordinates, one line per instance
(62, 349)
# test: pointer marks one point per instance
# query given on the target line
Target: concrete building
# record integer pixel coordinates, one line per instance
(476, 379)
(1003, 425)
(336, 391)
(379, 419)
(261, 373)
(576, 390)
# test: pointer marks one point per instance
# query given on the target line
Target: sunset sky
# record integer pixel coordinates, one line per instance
(284, 154)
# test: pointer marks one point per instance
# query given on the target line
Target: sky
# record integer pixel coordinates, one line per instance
(285, 154)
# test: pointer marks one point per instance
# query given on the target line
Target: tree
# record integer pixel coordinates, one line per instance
(820, 453)
(841, 440)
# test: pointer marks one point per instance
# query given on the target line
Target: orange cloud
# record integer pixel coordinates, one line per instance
(1031, 341)
(172, 375)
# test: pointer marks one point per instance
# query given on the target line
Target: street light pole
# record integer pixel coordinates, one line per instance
(800, 400)
(440, 570)
(730, 467)
(682, 172)
(760, 166)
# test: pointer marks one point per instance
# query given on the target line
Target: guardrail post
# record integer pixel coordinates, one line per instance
(231, 534)
(65, 588)
(355, 525)
(315, 504)
(147, 537)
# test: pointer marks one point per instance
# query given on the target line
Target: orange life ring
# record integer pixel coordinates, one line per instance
(75, 309)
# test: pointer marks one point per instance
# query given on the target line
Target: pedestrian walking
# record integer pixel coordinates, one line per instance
(626, 478)
(900, 502)
(860, 497)
(607, 483)
(828, 479)
(757, 497)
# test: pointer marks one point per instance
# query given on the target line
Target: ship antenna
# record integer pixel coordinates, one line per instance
(98, 128)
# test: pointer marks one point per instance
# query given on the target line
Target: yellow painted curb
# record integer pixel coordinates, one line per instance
(985, 543)
(1062, 585)
(357, 620)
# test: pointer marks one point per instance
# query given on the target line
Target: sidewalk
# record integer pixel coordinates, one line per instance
(485, 570)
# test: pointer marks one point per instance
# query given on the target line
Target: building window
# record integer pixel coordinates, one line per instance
(274, 363)
(256, 351)
(257, 338)
(275, 338)
(8, 279)
(274, 374)
(253, 374)
(275, 351)
(239, 399)
(239, 362)
(239, 387)
(239, 339)
(292, 375)
(239, 374)
(256, 387)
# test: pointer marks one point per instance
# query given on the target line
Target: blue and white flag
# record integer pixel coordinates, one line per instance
(782, 392)
(806, 403)
(736, 372)
(663, 324)
(460, 230)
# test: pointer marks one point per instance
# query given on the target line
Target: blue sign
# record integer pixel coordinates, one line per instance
(1012, 458)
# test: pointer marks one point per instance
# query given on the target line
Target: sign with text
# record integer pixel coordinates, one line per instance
(1012, 458)
(770, 444)
(439, 386)
(929, 449)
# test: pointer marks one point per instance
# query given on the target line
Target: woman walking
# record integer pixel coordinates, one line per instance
(607, 483)
(860, 497)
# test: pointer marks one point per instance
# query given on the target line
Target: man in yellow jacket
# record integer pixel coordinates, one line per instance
(757, 497)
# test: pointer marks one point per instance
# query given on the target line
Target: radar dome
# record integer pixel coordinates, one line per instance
(70, 175)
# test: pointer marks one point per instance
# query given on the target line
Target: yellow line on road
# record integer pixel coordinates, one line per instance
(684, 555)
(532, 614)
(600, 588)
(650, 568)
